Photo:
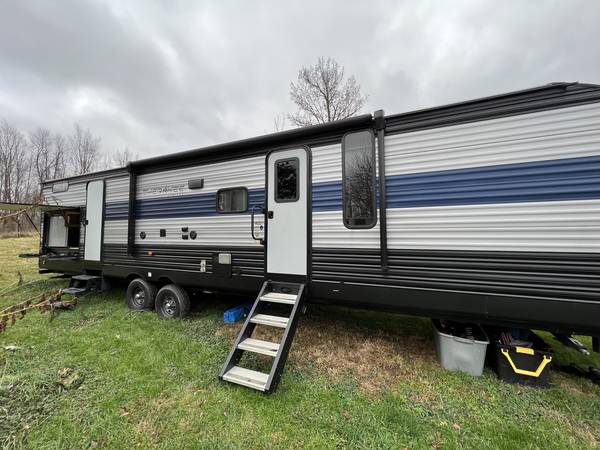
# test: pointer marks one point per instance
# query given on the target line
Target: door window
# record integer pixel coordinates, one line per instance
(286, 180)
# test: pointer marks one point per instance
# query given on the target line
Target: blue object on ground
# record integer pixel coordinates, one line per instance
(236, 314)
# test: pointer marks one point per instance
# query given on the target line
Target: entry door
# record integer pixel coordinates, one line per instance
(287, 212)
(93, 220)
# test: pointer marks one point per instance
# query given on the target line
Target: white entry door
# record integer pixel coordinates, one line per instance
(93, 220)
(287, 212)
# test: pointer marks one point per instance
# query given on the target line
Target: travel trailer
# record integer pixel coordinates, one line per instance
(485, 211)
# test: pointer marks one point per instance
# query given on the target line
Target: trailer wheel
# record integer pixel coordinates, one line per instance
(141, 295)
(172, 302)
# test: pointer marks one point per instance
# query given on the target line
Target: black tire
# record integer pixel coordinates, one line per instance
(172, 302)
(141, 295)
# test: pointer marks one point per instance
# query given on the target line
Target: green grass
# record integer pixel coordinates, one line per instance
(354, 379)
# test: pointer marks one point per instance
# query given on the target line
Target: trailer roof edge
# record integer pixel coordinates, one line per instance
(263, 140)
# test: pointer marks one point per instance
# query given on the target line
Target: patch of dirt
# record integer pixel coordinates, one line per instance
(338, 344)
(230, 330)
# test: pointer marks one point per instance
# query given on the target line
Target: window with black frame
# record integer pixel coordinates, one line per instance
(358, 173)
(286, 180)
(232, 200)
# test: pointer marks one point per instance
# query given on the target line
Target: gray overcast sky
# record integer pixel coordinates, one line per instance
(168, 76)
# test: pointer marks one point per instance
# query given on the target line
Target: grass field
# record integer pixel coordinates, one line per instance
(101, 376)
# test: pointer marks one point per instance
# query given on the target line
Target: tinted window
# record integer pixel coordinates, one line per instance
(232, 200)
(358, 159)
(286, 180)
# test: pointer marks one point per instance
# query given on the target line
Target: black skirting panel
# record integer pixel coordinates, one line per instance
(192, 266)
(549, 290)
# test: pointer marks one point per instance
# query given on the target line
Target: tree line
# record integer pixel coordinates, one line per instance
(28, 159)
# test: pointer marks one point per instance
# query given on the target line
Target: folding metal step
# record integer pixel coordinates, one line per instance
(84, 283)
(247, 377)
(259, 346)
(271, 292)
(86, 277)
(272, 321)
(278, 297)
(74, 291)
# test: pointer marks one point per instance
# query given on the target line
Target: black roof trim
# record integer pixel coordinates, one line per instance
(272, 139)
(549, 96)
(92, 175)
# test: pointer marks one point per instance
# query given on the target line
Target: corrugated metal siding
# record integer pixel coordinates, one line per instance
(461, 187)
(328, 228)
(116, 195)
(326, 163)
(542, 227)
(74, 196)
(561, 133)
(247, 172)
(229, 229)
(329, 231)
(117, 189)
(246, 262)
(553, 180)
(115, 231)
(177, 207)
(226, 230)
(559, 275)
(82, 234)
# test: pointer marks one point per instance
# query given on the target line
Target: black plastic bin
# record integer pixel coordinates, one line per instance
(523, 365)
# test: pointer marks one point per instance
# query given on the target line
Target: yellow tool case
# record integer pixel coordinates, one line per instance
(524, 365)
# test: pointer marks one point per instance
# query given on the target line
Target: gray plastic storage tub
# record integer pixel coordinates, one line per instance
(459, 353)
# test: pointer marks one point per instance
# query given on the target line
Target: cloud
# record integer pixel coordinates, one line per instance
(169, 76)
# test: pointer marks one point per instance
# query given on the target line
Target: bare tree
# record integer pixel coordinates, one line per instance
(13, 160)
(83, 150)
(16, 185)
(279, 122)
(60, 156)
(322, 94)
(123, 157)
(42, 154)
(27, 162)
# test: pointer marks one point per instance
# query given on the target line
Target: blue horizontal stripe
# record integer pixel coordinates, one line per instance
(562, 179)
(327, 196)
(195, 205)
(116, 211)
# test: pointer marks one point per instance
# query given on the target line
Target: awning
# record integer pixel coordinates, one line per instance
(5, 206)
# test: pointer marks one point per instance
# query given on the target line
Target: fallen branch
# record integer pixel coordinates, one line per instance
(14, 285)
(45, 302)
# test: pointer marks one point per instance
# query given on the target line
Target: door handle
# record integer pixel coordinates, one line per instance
(270, 214)
(252, 222)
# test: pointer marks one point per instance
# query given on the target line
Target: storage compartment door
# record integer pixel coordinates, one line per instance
(93, 220)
